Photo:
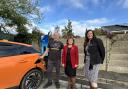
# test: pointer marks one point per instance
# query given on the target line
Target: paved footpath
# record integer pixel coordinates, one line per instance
(80, 80)
(63, 85)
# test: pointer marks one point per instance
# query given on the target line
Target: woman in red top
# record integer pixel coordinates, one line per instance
(70, 62)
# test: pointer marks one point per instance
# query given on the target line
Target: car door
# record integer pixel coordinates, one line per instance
(15, 61)
(8, 53)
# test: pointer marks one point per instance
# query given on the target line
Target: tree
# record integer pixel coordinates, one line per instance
(16, 13)
(98, 31)
(67, 31)
(36, 38)
(36, 34)
(23, 38)
(28, 38)
(57, 29)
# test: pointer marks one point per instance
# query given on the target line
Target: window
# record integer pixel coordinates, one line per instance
(27, 50)
(7, 49)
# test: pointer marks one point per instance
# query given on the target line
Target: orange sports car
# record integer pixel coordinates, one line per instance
(20, 66)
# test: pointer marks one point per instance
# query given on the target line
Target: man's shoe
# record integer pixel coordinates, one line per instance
(57, 85)
(47, 85)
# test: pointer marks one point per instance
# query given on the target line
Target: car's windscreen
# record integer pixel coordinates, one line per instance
(7, 49)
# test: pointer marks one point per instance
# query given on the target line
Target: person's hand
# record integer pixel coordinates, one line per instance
(62, 65)
(41, 57)
(76, 66)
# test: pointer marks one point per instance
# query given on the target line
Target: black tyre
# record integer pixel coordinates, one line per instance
(31, 80)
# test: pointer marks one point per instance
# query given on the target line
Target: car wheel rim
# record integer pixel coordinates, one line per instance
(33, 80)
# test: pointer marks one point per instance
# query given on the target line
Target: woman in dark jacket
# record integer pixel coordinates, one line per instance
(70, 62)
(94, 56)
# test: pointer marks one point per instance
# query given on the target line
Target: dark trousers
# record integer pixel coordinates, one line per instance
(51, 65)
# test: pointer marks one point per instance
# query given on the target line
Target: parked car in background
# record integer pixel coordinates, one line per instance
(20, 66)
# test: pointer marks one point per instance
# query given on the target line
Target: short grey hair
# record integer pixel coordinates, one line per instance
(56, 34)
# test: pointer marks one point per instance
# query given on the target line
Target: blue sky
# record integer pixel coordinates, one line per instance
(83, 14)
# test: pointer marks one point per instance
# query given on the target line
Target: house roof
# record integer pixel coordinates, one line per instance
(118, 27)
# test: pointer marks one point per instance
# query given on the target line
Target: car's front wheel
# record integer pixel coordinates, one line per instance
(31, 80)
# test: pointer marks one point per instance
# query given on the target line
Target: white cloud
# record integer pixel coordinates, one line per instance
(96, 2)
(72, 3)
(77, 3)
(97, 21)
(123, 3)
(81, 4)
(33, 16)
(45, 9)
(12, 30)
(43, 30)
(79, 27)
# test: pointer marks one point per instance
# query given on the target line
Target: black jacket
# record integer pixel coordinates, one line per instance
(96, 51)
